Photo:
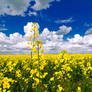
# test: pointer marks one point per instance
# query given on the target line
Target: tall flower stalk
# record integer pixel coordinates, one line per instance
(33, 42)
(35, 45)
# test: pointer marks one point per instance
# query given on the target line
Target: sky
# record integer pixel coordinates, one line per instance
(64, 25)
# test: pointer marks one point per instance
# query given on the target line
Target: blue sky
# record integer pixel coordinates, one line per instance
(73, 16)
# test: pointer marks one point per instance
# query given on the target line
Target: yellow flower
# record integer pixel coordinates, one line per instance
(33, 49)
(60, 88)
(41, 67)
(6, 85)
(37, 81)
(33, 85)
(33, 71)
(28, 47)
(35, 63)
(51, 79)
(45, 85)
(18, 73)
(79, 89)
(4, 90)
(41, 45)
(29, 38)
(45, 74)
(42, 50)
(8, 91)
(0, 89)
(37, 32)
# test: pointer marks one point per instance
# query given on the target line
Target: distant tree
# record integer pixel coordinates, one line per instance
(63, 51)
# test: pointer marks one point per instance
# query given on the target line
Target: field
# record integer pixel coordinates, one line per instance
(51, 73)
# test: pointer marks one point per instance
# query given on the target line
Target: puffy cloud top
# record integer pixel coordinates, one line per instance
(53, 43)
(89, 31)
(19, 7)
(42, 4)
(63, 30)
(13, 7)
(16, 37)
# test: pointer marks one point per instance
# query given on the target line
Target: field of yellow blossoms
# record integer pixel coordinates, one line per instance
(52, 73)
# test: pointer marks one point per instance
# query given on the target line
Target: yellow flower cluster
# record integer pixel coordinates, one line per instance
(52, 73)
(34, 44)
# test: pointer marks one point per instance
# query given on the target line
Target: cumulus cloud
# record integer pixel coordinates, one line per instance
(63, 30)
(53, 40)
(19, 7)
(89, 31)
(7, 43)
(49, 38)
(69, 20)
(53, 43)
(13, 7)
(16, 37)
(77, 44)
(27, 29)
(50, 35)
(3, 38)
(42, 4)
(81, 40)
(81, 44)
(77, 39)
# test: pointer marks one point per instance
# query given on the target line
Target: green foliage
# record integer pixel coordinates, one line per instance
(52, 73)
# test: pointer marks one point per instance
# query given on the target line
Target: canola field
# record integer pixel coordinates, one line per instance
(51, 73)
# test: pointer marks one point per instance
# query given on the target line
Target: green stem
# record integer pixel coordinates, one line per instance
(38, 53)
(39, 67)
(31, 55)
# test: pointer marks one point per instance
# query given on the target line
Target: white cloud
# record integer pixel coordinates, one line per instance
(78, 44)
(42, 4)
(81, 40)
(89, 31)
(16, 37)
(3, 38)
(29, 27)
(53, 43)
(47, 35)
(2, 27)
(69, 20)
(19, 42)
(19, 7)
(7, 43)
(63, 30)
(53, 40)
(32, 13)
(81, 43)
(27, 30)
(13, 7)
(77, 39)
(21, 45)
